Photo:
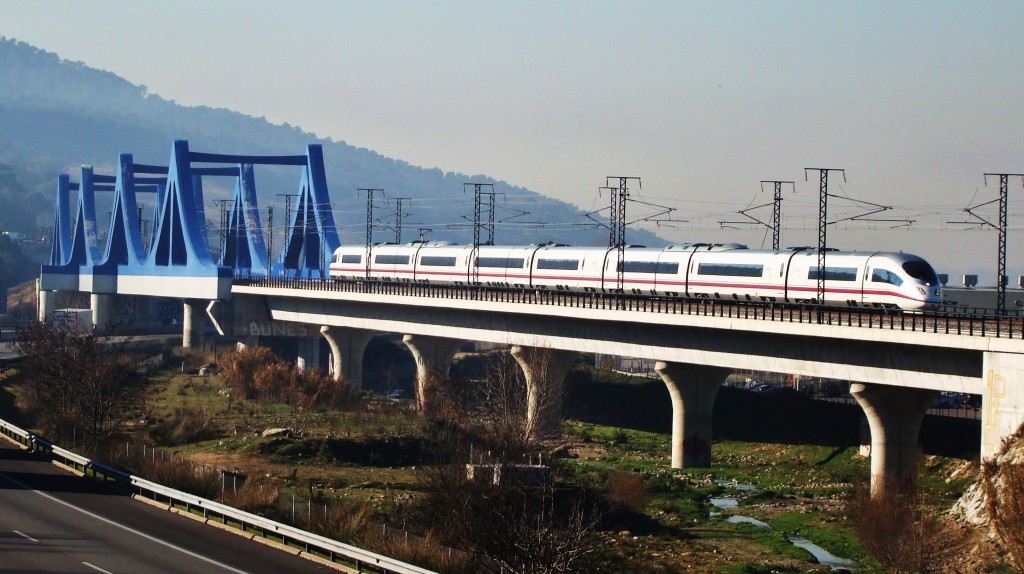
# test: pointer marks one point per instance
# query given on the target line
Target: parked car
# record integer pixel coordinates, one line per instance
(948, 400)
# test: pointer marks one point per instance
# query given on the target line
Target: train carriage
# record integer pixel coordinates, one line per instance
(722, 271)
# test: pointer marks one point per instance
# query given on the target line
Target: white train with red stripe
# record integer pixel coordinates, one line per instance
(723, 271)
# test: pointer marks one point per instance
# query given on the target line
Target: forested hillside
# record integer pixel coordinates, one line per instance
(56, 115)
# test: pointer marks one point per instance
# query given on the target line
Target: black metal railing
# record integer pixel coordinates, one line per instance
(950, 323)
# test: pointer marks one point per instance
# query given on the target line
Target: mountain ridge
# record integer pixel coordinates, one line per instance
(56, 113)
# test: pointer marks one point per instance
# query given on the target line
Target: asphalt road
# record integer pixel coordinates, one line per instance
(52, 521)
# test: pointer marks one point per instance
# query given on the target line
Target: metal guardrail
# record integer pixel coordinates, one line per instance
(9, 363)
(314, 544)
(949, 323)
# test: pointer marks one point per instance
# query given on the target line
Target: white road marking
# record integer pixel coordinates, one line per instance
(97, 568)
(122, 526)
(25, 536)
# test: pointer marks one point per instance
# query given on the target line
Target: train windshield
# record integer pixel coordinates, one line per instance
(921, 271)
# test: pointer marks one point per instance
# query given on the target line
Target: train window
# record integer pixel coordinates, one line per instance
(834, 273)
(649, 267)
(730, 269)
(437, 261)
(351, 258)
(886, 276)
(391, 259)
(921, 271)
(564, 264)
(506, 262)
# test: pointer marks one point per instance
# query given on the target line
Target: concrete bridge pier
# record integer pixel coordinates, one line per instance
(433, 357)
(100, 304)
(307, 353)
(47, 303)
(544, 370)
(193, 323)
(347, 348)
(693, 389)
(246, 341)
(894, 416)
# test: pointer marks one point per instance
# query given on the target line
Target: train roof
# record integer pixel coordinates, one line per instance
(696, 247)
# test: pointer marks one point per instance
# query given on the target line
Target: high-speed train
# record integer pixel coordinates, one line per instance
(720, 271)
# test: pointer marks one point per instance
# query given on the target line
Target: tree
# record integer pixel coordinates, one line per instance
(80, 379)
(509, 526)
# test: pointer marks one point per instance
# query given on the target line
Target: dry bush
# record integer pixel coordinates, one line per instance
(200, 481)
(80, 380)
(186, 424)
(256, 373)
(257, 497)
(239, 368)
(424, 551)
(1004, 500)
(313, 388)
(902, 535)
(627, 491)
(340, 522)
(271, 382)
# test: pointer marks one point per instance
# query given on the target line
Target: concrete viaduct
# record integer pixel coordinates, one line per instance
(899, 361)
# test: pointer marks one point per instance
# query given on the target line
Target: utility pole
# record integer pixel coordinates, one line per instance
(478, 195)
(223, 205)
(822, 222)
(777, 210)
(369, 221)
(617, 237)
(270, 237)
(1004, 185)
(398, 218)
(287, 208)
(142, 231)
(478, 200)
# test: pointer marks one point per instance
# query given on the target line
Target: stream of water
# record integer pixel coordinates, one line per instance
(732, 502)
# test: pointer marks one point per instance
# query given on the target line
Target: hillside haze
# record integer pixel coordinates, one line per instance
(56, 115)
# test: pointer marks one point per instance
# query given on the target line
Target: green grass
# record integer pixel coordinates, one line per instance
(369, 453)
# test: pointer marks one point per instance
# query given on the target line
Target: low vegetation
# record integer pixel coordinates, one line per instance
(370, 472)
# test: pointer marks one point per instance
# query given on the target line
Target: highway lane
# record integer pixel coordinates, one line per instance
(52, 521)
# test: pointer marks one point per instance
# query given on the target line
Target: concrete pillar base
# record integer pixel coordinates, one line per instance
(693, 389)
(100, 305)
(47, 304)
(433, 357)
(347, 349)
(193, 324)
(308, 353)
(544, 371)
(894, 415)
(247, 341)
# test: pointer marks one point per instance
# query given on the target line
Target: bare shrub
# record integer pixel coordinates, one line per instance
(180, 475)
(904, 536)
(1004, 500)
(80, 380)
(627, 491)
(256, 373)
(340, 521)
(186, 424)
(257, 497)
(513, 528)
(425, 551)
(313, 388)
(502, 409)
(240, 367)
(271, 382)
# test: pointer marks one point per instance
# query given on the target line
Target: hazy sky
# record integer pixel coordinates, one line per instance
(916, 100)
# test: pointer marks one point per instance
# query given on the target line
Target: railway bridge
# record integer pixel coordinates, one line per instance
(899, 362)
